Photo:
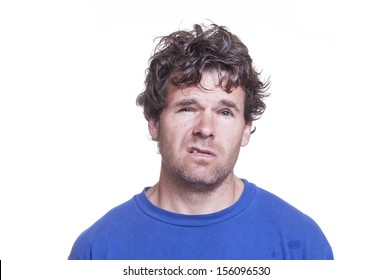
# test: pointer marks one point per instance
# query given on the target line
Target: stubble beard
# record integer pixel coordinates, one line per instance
(201, 183)
(181, 173)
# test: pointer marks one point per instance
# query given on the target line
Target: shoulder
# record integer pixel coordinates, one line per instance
(276, 207)
(108, 227)
(290, 224)
(117, 215)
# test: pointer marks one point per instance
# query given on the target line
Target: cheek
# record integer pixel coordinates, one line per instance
(232, 143)
(173, 133)
(238, 140)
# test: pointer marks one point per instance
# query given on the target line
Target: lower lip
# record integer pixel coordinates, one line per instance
(203, 155)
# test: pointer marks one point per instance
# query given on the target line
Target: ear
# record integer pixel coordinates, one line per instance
(247, 133)
(153, 128)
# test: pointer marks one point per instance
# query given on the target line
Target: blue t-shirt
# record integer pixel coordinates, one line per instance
(259, 226)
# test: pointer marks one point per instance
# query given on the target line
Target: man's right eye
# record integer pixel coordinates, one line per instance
(186, 109)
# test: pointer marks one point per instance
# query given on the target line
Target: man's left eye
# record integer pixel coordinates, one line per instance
(226, 113)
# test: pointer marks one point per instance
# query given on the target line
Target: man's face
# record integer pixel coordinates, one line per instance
(200, 132)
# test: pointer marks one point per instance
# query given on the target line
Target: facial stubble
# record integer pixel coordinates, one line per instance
(183, 171)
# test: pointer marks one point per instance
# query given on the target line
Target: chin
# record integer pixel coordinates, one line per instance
(202, 183)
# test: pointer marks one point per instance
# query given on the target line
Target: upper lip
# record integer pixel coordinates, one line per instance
(203, 151)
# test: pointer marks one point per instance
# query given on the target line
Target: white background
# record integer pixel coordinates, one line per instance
(74, 144)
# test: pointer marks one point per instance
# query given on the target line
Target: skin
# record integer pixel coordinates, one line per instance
(199, 133)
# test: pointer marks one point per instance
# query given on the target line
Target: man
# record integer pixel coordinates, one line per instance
(202, 95)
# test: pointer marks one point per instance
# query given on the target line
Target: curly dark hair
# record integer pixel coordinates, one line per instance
(183, 56)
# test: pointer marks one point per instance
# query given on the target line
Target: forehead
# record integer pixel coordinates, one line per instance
(208, 90)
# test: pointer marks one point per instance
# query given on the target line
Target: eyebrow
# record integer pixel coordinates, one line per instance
(186, 102)
(193, 101)
(230, 104)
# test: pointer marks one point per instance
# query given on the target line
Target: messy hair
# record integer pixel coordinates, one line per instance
(182, 57)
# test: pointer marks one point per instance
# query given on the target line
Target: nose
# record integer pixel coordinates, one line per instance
(205, 125)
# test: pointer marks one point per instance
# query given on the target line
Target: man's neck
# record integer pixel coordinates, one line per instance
(177, 198)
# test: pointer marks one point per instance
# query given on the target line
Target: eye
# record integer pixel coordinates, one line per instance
(227, 113)
(186, 109)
